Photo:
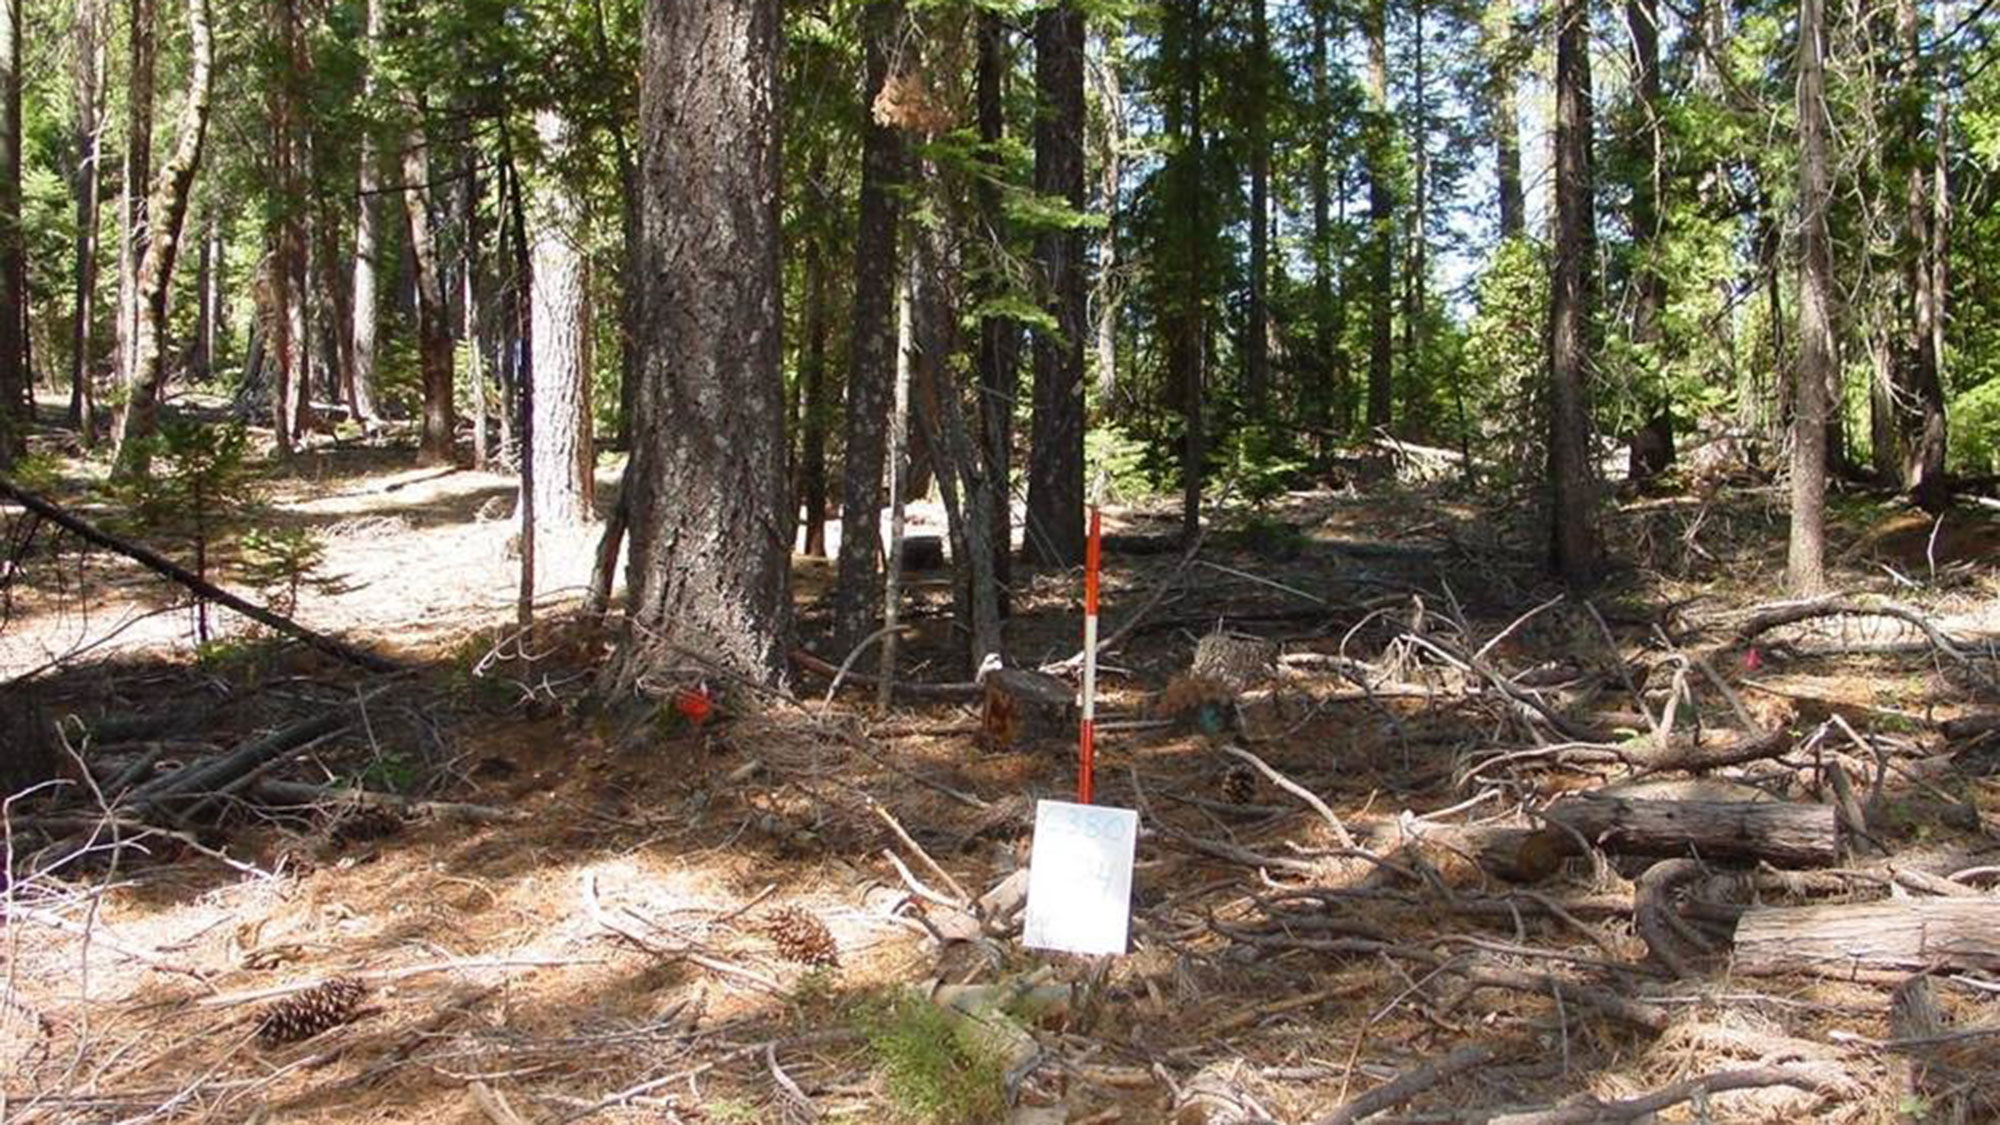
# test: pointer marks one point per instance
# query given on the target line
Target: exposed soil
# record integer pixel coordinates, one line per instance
(606, 930)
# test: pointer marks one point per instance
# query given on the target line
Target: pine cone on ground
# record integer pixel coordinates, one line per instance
(802, 938)
(1239, 784)
(317, 1009)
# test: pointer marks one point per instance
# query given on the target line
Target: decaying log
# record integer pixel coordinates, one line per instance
(1024, 706)
(1898, 935)
(1696, 757)
(1781, 833)
(1515, 854)
(166, 568)
(207, 777)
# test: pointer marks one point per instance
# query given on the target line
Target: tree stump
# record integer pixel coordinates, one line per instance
(1023, 707)
(923, 552)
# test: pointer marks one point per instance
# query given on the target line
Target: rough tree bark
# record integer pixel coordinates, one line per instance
(434, 348)
(564, 460)
(168, 211)
(1574, 537)
(16, 396)
(872, 344)
(88, 88)
(710, 565)
(999, 337)
(1381, 214)
(814, 408)
(142, 34)
(1919, 389)
(1805, 561)
(1653, 445)
(1257, 341)
(1055, 456)
(1504, 67)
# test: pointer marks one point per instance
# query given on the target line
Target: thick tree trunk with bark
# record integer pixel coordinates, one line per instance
(168, 211)
(1898, 935)
(1787, 835)
(1186, 323)
(871, 358)
(564, 460)
(1806, 562)
(1381, 214)
(1330, 390)
(710, 570)
(1576, 548)
(1919, 398)
(90, 39)
(434, 345)
(1055, 456)
(815, 409)
(1653, 443)
(16, 396)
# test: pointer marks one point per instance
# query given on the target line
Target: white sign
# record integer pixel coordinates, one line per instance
(1080, 878)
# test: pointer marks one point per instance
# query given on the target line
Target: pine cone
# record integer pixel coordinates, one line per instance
(320, 1008)
(802, 938)
(1239, 784)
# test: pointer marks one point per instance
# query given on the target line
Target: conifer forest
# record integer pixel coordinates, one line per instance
(943, 562)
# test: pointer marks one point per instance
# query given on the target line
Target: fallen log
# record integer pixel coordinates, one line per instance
(1694, 757)
(166, 568)
(1781, 833)
(1407, 1085)
(208, 777)
(1892, 935)
(274, 792)
(1513, 854)
(1591, 1111)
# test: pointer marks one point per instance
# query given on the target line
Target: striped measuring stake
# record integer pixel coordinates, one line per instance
(1086, 771)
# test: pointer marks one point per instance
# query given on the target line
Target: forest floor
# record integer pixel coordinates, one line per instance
(590, 915)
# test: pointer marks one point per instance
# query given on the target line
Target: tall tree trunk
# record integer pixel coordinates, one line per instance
(1574, 535)
(474, 324)
(138, 173)
(1414, 297)
(710, 570)
(1649, 282)
(88, 88)
(564, 459)
(1805, 561)
(1257, 339)
(1327, 392)
(1504, 68)
(814, 408)
(1187, 334)
(1381, 216)
(1110, 183)
(629, 264)
(1919, 395)
(434, 346)
(1055, 456)
(201, 350)
(367, 237)
(168, 211)
(999, 337)
(16, 395)
(871, 364)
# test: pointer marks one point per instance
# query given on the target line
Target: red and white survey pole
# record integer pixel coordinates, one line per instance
(1087, 736)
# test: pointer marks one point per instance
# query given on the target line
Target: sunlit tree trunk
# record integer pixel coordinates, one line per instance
(563, 456)
(1805, 561)
(710, 565)
(1576, 546)
(1257, 338)
(1919, 397)
(367, 239)
(168, 211)
(88, 88)
(1503, 71)
(999, 337)
(1055, 456)
(142, 33)
(814, 408)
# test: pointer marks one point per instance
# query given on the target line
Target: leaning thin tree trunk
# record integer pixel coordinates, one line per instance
(169, 214)
(434, 446)
(563, 457)
(711, 570)
(1805, 564)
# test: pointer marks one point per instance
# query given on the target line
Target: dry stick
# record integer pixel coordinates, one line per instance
(1407, 1085)
(1594, 1111)
(1767, 619)
(622, 1097)
(1507, 688)
(167, 569)
(234, 998)
(599, 915)
(922, 855)
(494, 1105)
(1340, 832)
